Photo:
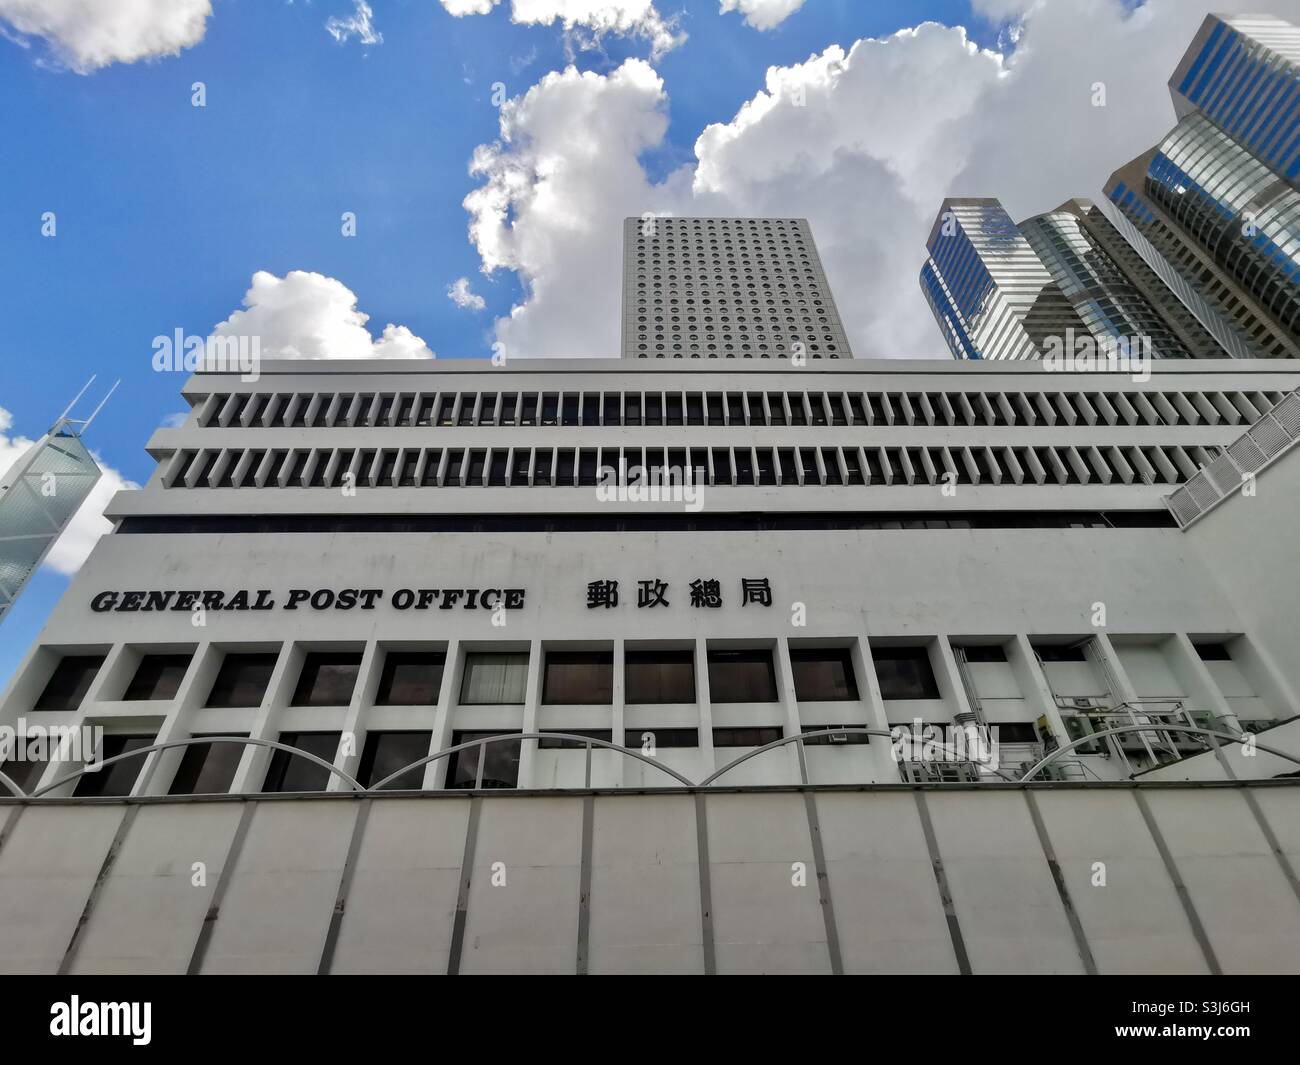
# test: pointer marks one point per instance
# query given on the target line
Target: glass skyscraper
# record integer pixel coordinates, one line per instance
(1217, 202)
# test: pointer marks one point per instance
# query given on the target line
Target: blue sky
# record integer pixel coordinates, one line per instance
(166, 210)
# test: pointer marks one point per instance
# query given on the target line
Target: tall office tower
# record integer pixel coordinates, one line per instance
(992, 295)
(39, 495)
(1243, 73)
(1217, 201)
(1082, 251)
(726, 288)
(644, 707)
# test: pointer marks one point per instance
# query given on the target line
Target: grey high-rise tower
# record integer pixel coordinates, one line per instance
(726, 288)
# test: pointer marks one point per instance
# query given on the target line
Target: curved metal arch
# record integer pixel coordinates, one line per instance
(512, 737)
(797, 738)
(243, 740)
(1043, 763)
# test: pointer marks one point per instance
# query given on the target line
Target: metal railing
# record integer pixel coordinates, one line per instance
(590, 743)
(1260, 446)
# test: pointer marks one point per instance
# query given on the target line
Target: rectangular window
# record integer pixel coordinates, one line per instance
(242, 680)
(25, 773)
(776, 404)
(673, 409)
(550, 409)
(500, 762)
(722, 466)
(654, 408)
(497, 469)
(327, 678)
(659, 676)
(1059, 652)
(1212, 652)
(590, 408)
(904, 673)
(741, 677)
(823, 674)
(554, 743)
(587, 467)
(207, 768)
(564, 469)
(569, 409)
(528, 409)
(476, 468)
(744, 466)
(494, 679)
(579, 677)
(387, 752)
(290, 773)
(410, 678)
(715, 409)
(984, 652)
(158, 677)
(118, 778)
(1015, 732)
(836, 738)
(632, 410)
(661, 738)
(69, 683)
(746, 737)
(694, 409)
(756, 415)
(542, 469)
(611, 409)
(508, 404)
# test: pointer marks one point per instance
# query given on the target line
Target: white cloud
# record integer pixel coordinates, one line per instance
(763, 14)
(88, 524)
(88, 34)
(865, 143)
(462, 295)
(360, 25)
(306, 315)
(587, 21)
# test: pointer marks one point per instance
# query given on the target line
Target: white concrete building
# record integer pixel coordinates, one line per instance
(376, 563)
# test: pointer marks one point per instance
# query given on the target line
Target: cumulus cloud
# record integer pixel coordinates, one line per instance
(85, 35)
(763, 14)
(88, 524)
(587, 21)
(361, 25)
(305, 315)
(462, 295)
(864, 142)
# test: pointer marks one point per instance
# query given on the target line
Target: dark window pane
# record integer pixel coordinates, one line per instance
(291, 773)
(741, 677)
(579, 677)
(984, 652)
(659, 676)
(69, 683)
(745, 737)
(500, 762)
(207, 769)
(26, 774)
(387, 752)
(1213, 652)
(1015, 732)
(242, 680)
(551, 743)
(158, 677)
(823, 675)
(904, 673)
(410, 678)
(118, 778)
(327, 679)
(661, 737)
(836, 739)
(1059, 652)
